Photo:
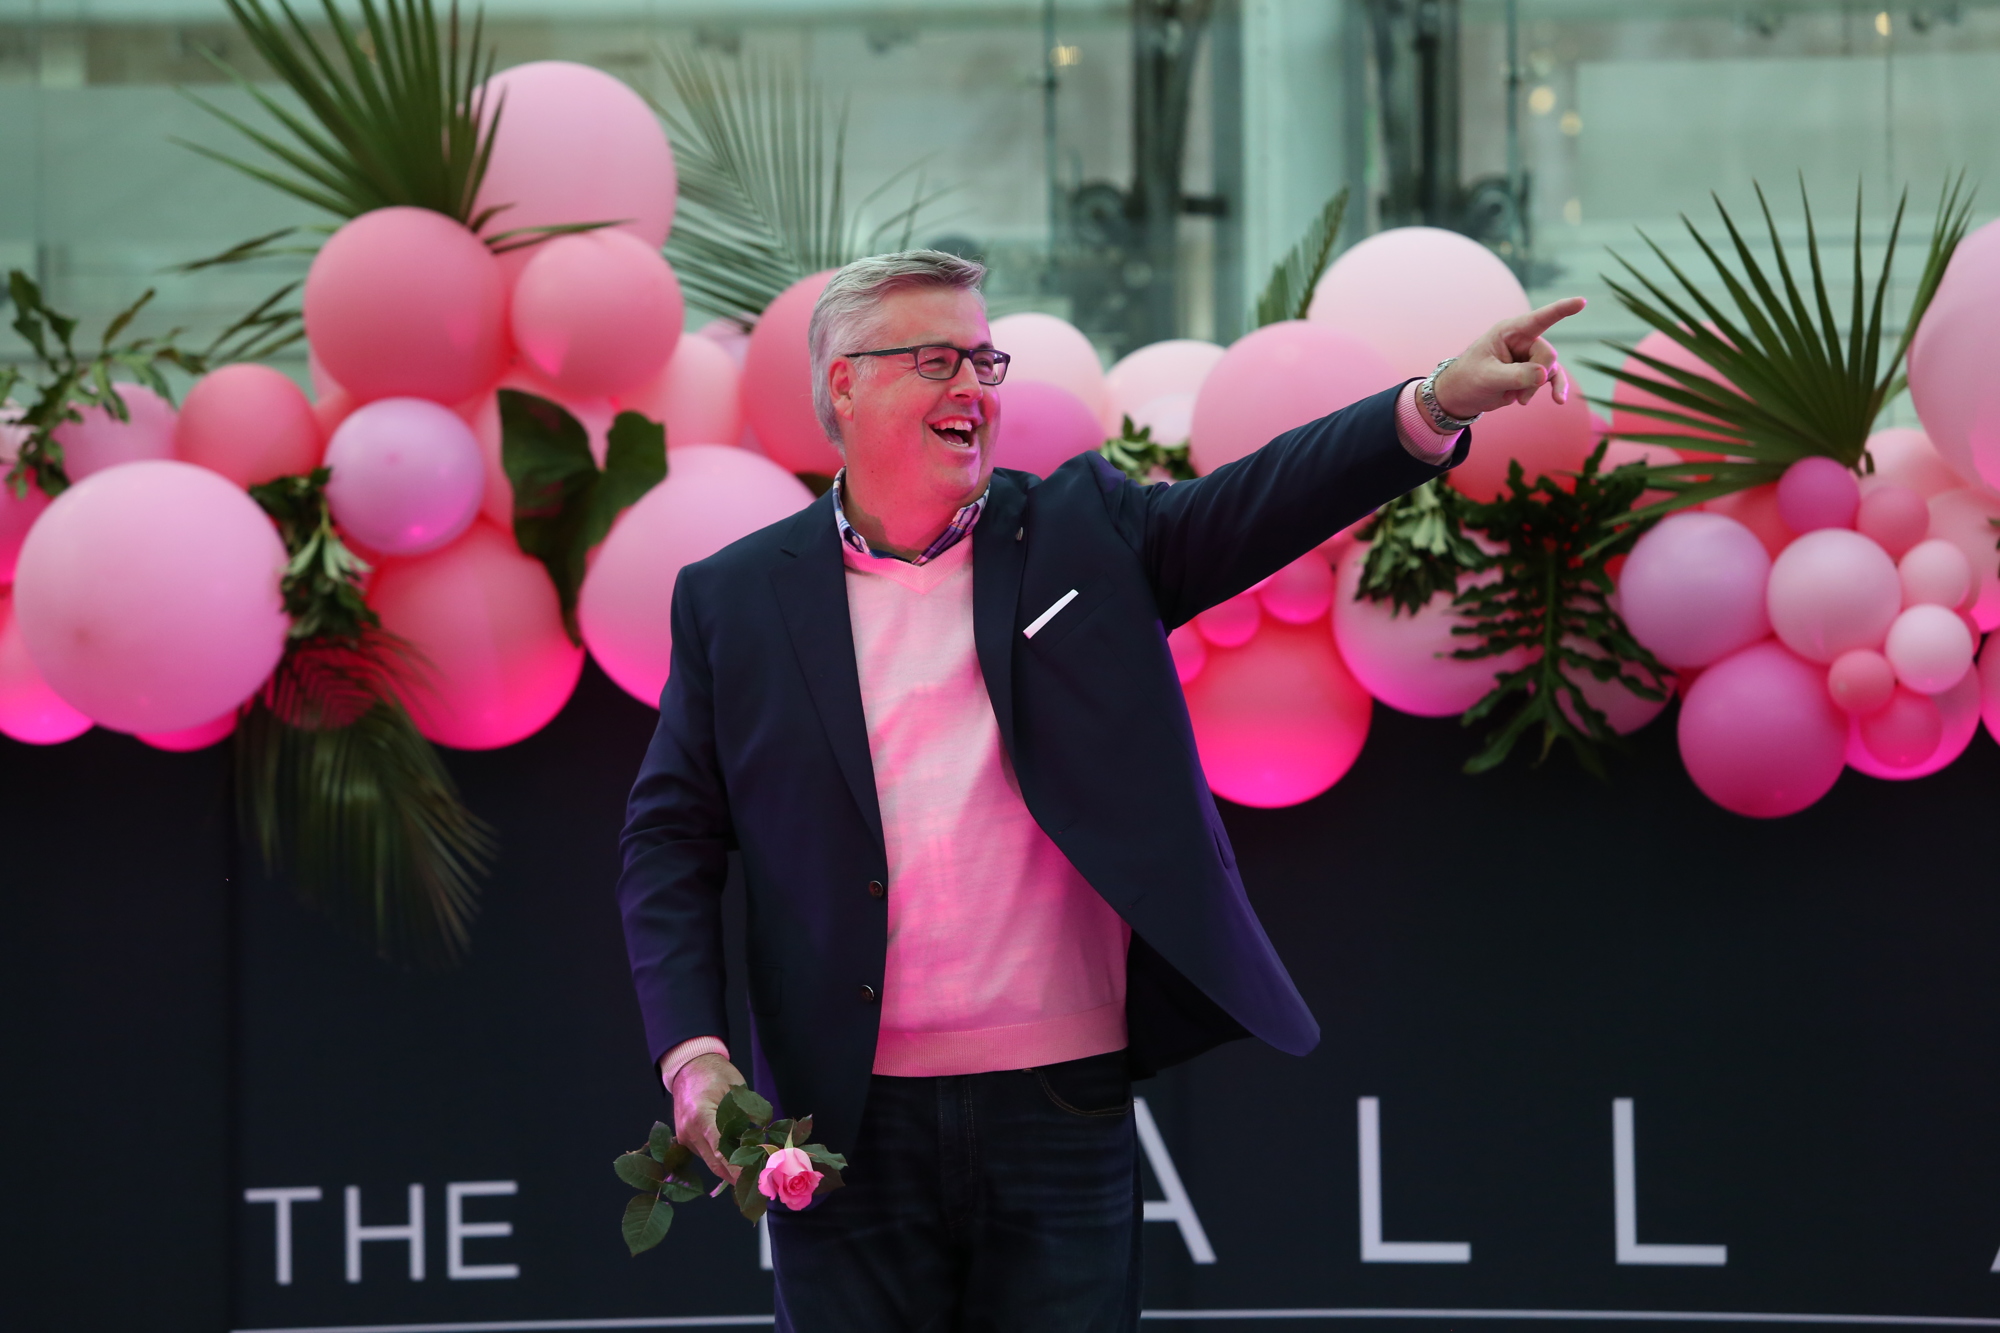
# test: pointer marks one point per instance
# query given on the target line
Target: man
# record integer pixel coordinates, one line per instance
(936, 714)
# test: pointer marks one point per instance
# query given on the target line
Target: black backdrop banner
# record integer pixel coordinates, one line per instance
(1594, 1052)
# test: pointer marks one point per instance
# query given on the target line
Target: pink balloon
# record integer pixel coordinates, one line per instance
(1043, 426)
(594, 414)
(1620, 452)
(1958, 707)
(777, 382)
(1759, 735)
(1952, 384)
(1757, 510)
(1190, 652)
(1049, 350)
(1935, 572)
(496, 492)
(713, 495)
(1860, 681)
(1232, 623)
(148, 596)
(17, 513)
(1817, 493)
(697, 396)
(1902, 733)
(1930, 647)
(1170, 417)
(486, 620)
(1624, 397)
(729, 336)
(1894, 517)
(1546, 437)
(1961, 517)
(1416, 295)
(30, 711)
(100, 440)
(405, 303)
(574, 145)
(1278, 720)
(1175, 366)
(192, 738)
(1830, 591)
(250, 423)
(1404, 659)
(1274, 379)
(597, 313)
(334, 406)
(1905, 457)
(1299, 593)
(407, 476)
(1623, 710)
(1693, 589)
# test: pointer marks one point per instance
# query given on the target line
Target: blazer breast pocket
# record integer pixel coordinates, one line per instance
(1064, 614)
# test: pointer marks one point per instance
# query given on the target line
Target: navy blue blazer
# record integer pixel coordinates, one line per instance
(762, 747)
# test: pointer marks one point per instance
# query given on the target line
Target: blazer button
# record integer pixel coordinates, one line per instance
(875, 889)
(867, 995)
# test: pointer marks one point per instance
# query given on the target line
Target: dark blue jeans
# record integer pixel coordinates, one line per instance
(979, 1203)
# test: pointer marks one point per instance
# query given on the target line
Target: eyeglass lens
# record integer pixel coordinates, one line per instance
(942, 362)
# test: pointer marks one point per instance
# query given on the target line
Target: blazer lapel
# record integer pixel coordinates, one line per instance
(998, 558)
(812, 594)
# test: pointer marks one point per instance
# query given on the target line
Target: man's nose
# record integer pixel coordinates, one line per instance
(965, 385)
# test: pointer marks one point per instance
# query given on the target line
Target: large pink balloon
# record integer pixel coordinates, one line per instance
(713, 495)
(1759, 735)
(29, 710)
(1417, 295)
(575, 145)
(1301, 592)
(148, 596)
(1054, 351)
(1178, 365)
(1546, 437)
(1692, 590)
(17, 513)
(1962, 517)
(405, 303)
(1405, 659)
(407, 475)
(101, 440)
(1756, 509)
(598, 313)
(1905, 457)
(1960, 706)
(696, 396)
(1274, 379)
(1624, 396)
(1043, 426)
(1952, 384)
(250, 423)
(1832, 591)
(1280, 719)
(486, 620)
(777, 382)
(189, 739)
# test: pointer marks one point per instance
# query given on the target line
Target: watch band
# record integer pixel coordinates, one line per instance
(1445, 422)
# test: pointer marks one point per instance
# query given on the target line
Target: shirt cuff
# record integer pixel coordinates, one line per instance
(671, 1062)
(1420, 436)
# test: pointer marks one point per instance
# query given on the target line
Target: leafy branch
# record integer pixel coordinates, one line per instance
(1144, 459)
(1289, 292)
(1417, 547)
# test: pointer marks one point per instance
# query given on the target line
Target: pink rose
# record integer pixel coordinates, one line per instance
(789, 1178)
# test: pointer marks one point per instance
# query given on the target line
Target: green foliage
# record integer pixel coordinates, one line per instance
(1142, 458)
(1290, 289)
(1788, 384)
(563, 505)
(1417, 547)
(322, 580)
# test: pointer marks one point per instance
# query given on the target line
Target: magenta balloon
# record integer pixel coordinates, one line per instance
(1860, 681)
(407, 476)
(1952, 384)
(405, 303)
(575, 145)
(598, 313)
(1958, 706)
(1043, 426)
(1894, 517)
(1904, 732)
(17, 513)
(696, 395)
(1817, 493)
(1416, 295)
(1190, 652)
(101, 440)
(30, 711)
(1301, 592)
(1232, 623)
(1930, 647)
(1692, 591)
(250, 423)
(1274, 379)
(192, 738)
(1963, 518)
(1049, 350)
(1178, 365)
(1830, 591)
(1905, 457)
(778, 386)
(1405, 659)
(1759, 735)
(485, 619)
(148, 596)
(713, 495)
(1278, 720)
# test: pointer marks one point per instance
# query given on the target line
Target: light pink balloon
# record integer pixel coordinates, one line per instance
(486, 620)
(1830, 591)
(729, 336)
(496, 492)
(17, 513)
(1043, 426)
(1817, 493)
(1405, 659)
(1624, 397)
(778, 385)
(1190, 652)
(1958, 706)
(1278, 720)
(1905, 457)
(1299, 593)
(1757, 510)
(1170, 417)
(1952, 384)
(1930, 647)
(713, 495)
(100, 440)
(1232, 623)
(1175, 366)
(1416, 295)
(598, 313)
(697, 396)
(407, 476)
(250, 423)
(1894, 517)
(1961, 517)
(1759, 735)
(574, 145)
(192, 738)
(1274, 379)
(1860, 681)
(1693, 589)
(30, 711)
(1935, 572)
(148, 596)
(405, 303)
(1054, 351)
(1546, 437)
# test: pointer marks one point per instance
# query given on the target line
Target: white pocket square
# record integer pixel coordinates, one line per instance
(1035, 625)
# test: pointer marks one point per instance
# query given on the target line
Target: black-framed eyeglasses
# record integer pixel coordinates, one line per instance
(941, 361)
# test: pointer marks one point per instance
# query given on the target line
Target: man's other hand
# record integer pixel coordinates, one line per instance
(1509, 363)
(697, 1090)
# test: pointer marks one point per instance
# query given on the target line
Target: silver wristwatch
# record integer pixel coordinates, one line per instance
(1427, 398)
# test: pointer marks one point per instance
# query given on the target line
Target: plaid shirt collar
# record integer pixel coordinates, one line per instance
(961, 523)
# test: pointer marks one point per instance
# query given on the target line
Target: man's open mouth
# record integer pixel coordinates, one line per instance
(955, 431)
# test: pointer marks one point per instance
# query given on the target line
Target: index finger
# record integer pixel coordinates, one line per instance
(1537, 322)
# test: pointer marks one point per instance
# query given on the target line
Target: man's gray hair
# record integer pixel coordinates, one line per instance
(844, 319)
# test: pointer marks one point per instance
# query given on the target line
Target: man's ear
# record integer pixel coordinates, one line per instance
(840, 383)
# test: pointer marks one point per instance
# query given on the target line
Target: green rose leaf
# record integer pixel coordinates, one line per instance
(731, 1125)
(776, 1131)
(662, 1145)
(829, 1180)
(682, 1191)
(748, 1201)
(803, 1129)
(647, 1218)
(756, 1108)
(640, 1171)
(751, 1154)
(822, 1155)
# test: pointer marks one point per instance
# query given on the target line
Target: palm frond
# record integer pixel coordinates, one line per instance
(1290, 290)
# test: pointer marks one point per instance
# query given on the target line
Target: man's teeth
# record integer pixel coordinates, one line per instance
(958, 430)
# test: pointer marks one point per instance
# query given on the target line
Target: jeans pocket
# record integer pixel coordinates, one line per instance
(1095, 1086)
